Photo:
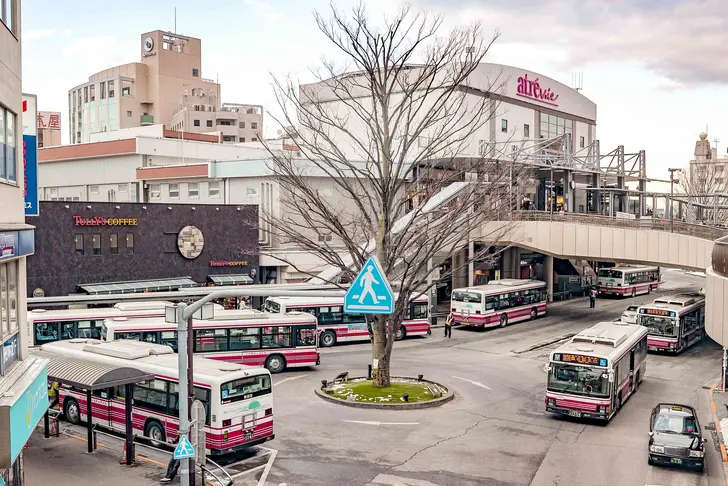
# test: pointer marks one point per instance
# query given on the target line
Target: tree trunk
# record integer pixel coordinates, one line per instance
(380, 352)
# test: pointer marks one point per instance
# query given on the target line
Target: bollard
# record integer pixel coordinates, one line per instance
(95, 442)
(46, 425)
(369, 373)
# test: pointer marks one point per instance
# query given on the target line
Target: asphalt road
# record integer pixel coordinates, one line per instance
(496, 431)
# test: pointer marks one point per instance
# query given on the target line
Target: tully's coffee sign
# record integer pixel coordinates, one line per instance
(225, 263)
(101, 221)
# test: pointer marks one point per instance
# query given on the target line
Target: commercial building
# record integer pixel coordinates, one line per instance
(163, 88)
(49, 128)
(23, 379)
(84, 247)
(236, 123)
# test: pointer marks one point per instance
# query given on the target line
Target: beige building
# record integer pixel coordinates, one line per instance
(49, 128)
(238, 123)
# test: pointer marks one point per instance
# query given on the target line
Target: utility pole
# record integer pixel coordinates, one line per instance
(672, 185)
(191, 391)
(184, 418)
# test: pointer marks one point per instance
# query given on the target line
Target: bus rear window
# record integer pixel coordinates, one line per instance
(271, 306)
(245, 388)
(461, 296)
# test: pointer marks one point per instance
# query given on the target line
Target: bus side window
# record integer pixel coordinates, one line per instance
(491, 303)
(170, 339)
(46, 332)
(133, 336)
(305, 335)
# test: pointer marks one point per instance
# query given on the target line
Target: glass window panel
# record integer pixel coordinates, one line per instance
(89, 329)
(13, 295)
(4, 317)
(10, 149)
(211, 340)
(130, 243)
(306, 335)
(151, 395)
(277, 337)
(96, 244)
(245, 338)
(170, 339)
(46, 332)
(114, 244)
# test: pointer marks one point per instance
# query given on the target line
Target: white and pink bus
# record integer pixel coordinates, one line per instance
(335, 326)
(593, 374)
(674, 323)
(238, 399)
(499, 303)
(249, 337)
(628, 280)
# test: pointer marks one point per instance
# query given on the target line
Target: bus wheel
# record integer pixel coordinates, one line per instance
(275, 363)
(155, 432)
(328, 339)
(400, 334)
(71, 411)
(534, 313)
(503, 320)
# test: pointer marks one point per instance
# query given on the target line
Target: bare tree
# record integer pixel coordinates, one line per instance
(698, 186)
(401, 133)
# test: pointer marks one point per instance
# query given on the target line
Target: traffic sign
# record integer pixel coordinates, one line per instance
(370, 293)
(184, 449)
(197, 432)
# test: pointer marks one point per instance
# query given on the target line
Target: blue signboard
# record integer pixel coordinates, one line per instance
(30, 174)
(27, 411)
(10, 354)
(184, 449)
(14, 244)
(370, 293)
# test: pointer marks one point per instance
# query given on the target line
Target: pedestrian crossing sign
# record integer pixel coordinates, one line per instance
(184, 449)
(370, 293)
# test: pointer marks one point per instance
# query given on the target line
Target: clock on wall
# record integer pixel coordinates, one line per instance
(148, 44)
(190, 242)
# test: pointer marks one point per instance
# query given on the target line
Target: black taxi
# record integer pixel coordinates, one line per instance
(675, 437)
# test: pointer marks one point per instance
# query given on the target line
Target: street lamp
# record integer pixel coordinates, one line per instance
(672, 184)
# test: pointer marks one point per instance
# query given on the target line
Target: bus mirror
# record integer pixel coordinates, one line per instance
(611, 377)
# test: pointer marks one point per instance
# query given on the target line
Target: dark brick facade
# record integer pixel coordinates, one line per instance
(230, 234)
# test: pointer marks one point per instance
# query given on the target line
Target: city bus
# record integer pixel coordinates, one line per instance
(249, 337)
(673, 323)
(593, 374)
(238, 399)
(335, 326)
(499, 302)
(46, 326)
(628, 280)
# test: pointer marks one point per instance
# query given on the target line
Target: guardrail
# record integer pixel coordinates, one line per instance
(698, 230)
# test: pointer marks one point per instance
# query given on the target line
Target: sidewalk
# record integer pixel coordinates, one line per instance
(719, 408)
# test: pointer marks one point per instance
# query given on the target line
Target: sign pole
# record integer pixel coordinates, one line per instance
(184, 476)
(191, 390)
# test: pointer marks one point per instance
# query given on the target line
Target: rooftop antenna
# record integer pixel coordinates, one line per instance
(577, 80)
(175, 20)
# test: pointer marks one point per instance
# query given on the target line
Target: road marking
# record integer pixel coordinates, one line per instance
(266, 471)
(387, 479)
(290, 378)
(242, 473)
(366, 422)
(476, 383)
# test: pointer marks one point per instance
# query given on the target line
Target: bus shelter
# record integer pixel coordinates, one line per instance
(89, 376)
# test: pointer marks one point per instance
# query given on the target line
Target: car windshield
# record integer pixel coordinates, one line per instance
(659, 326)
(632, 308)
(271, 306)
(579, 380)
(461, 296)
(675, 424)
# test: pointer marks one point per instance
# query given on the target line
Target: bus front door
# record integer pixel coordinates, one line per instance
(633, 381)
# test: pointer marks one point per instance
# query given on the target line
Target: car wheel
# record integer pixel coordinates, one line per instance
(155, 432)
(503, 320)
(328, 339)
(71, 411)
(700, 467)
(650, 461)
(275, 363)
(400, 334)
(534, 313)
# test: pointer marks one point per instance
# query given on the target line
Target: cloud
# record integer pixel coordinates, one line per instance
(683, 41)
(36, 34)
(93, 54)
(263, 9)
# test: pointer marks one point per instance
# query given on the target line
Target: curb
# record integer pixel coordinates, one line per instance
(716, 421)
(389, 406)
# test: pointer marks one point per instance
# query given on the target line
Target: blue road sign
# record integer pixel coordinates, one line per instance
(370, 293)
(184, 449)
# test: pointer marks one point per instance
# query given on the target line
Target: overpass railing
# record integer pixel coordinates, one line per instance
(720, 257)
(698, 230)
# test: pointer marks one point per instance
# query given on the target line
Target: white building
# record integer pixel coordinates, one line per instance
(23, 379)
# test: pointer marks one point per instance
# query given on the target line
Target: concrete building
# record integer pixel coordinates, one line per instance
(165, 87)
(707, 171)
(23, 379)
(49, 128)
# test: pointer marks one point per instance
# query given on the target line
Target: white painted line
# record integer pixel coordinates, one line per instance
(266, 471)
(389, 480)
(476, 383)
(242, 473)
(366, 422)
(290, 378)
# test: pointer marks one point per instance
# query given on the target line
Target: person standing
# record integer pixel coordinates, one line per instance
(448, 326)
(592, 298)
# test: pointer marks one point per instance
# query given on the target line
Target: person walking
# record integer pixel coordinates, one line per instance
(592, 298)
(172, 469)
(448, 326)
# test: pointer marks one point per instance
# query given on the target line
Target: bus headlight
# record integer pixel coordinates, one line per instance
(658, 449)
(697, 453)
(551, 402)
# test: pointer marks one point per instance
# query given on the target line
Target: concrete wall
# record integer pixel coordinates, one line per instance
(716, 307)
(591, 242)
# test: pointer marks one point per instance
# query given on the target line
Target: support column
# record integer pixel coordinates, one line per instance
(432, 279)
(459, 269)
(511, 267)
(471, 264)
(596, 194)
(128, 394)
(569, 193)
(642, 189)
(548, 271)
(89, 423)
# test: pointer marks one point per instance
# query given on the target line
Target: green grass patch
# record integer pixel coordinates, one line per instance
(364, 391)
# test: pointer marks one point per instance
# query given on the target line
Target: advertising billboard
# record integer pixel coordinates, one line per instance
(30, 154)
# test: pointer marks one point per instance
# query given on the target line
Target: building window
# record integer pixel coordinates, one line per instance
(193, 190)
(9, 286)
(553, 126)
(93, 189)
(126, 91)
(213, 189)
(111, 89)
(79, 244)
(8, 14)
(128, 114)
(85, 94)
(8, 156)
(482, 147)
(526, 131)
(325, 238)
(96, 244)
(129, 244)
(195, 72)
(103, 89)
(74, 101)
(209, 123)
(581, 142)
(154, 191)
(241, 124)
(197, 123)
(92, 95)
(254, 125)
(123, 188)
(504, 125)
(253, 139)
(114, 244)
(242, 139)
(174, 191)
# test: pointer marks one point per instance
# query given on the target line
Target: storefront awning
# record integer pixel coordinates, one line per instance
(230, 279)
(138, 286)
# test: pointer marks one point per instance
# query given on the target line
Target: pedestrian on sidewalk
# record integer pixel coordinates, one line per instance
(592, 298)
(172, 468)
(448, 326)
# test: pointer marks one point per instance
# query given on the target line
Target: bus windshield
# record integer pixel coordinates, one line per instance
(579, 380)
(462, 296)
(245, 388)
(271, 306)
(659, 326)
(610, 273)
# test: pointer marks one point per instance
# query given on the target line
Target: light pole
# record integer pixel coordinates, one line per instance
(672, 184)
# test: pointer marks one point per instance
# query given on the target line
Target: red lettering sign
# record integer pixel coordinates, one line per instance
(101, 221)
(55, 121)
(533, 90)
(41, 122)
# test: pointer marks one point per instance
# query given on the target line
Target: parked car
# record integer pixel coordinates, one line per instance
(630, 314)
(675, 437)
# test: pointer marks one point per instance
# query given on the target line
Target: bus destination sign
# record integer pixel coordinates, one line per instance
(581, 359)
(658, 312)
